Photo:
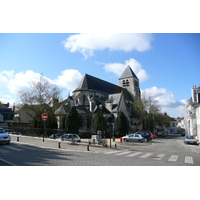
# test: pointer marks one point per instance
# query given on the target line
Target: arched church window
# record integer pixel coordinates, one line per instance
(80, 121)
(84, 97)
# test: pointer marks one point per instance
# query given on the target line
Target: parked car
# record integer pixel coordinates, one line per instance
(54, 136)
(134, 138)
(162, 134)
(12, 132)
(153, 135)
(147, 135)
(124, 137)
(69, 137)
(190, 140)
(4, 137)
(183, 134)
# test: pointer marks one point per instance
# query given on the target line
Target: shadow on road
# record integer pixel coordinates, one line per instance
(27, 155)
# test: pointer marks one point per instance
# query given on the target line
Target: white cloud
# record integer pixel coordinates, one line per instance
(21, 81)
(118, 68)
(68, 79)
(86, 43)
(166, 100)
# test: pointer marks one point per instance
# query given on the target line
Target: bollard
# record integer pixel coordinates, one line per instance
(17, 139)
(58, 144)
(88, 147)
(115, 146)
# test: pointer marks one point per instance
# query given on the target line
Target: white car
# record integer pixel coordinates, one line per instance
(69, 137)
(133, 138)
(190, 140)
(4, 137)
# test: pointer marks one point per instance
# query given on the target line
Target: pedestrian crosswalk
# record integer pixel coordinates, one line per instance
(155, 156)
(189, 160)
(146, 155)
(173, 158)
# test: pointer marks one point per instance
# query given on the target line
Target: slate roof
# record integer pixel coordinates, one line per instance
(62, 110)
(92, 83)
(128, 73)
(81, 109)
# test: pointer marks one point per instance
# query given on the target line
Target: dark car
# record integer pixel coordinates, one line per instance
(147, 135)
(183, 134)
(162, 134)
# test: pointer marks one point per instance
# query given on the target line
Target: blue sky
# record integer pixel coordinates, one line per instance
(167, 64)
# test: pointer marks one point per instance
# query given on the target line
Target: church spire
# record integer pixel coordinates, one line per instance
(128, 73)
(130, 81)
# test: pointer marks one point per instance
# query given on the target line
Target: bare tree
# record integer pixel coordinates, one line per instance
(148, 109)
(40, 99)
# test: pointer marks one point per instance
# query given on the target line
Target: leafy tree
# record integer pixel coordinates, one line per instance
(98, 122)
(121, 124)
(72, 123)
(40, 99)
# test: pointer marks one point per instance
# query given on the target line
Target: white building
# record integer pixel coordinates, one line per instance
(180, 123)
(198, 120)
(192, 113)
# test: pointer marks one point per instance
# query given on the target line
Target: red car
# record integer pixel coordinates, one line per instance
(153, 135)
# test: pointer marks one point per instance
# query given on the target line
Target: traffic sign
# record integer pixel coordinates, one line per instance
(44, 116)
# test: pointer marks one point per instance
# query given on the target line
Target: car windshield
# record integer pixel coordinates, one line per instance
(2, 131)
(190, 137)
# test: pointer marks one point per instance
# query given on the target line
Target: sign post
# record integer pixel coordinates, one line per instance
(44, 119)
(110, 127)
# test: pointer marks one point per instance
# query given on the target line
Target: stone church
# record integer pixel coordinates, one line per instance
(93, 95)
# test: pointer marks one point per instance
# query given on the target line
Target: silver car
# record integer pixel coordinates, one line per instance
(69, 137)
(134, 138)
(4, 137)
(190, 140)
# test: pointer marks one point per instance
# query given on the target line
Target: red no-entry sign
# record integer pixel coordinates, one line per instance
(44, 116)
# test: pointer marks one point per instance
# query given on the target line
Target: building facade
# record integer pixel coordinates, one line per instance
(192, 114)
(93, 94)
(6, 115)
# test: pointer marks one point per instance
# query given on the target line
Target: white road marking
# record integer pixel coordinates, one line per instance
(159, 156)
(189, 160)
(146, 155)
(110, 152)
(173, 158)
(119, 154)
(134, 154)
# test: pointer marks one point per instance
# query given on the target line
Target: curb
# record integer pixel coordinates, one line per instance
(16, 139)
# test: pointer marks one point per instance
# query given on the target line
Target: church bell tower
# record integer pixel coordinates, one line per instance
(130, 81)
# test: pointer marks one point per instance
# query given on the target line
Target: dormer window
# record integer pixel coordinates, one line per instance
(125, 83)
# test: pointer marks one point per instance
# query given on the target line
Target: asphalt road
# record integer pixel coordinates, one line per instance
(169, 151)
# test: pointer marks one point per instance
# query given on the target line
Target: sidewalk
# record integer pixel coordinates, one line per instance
(55, 144)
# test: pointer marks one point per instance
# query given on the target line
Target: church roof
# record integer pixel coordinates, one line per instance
(128, 73)
(62, 110)
(92, 83)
